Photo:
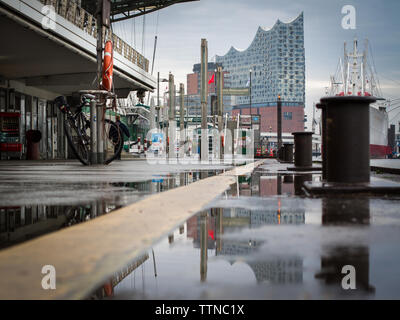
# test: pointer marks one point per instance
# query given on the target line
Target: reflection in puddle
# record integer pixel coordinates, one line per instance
(25, 217)
(263, 239)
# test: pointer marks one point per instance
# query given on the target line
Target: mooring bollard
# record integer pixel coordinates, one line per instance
(347, 139)
(288, 152)
(303, 150)
(299, 182)
(323, 140)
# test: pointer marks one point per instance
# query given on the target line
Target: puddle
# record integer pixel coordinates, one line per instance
(263, 239)
(31, 209)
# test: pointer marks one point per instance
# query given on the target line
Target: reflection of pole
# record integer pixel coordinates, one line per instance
(154, 263)
(219, 230)
(203, 246)
(204, 94)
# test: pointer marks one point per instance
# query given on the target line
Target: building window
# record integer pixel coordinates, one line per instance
(287, 115)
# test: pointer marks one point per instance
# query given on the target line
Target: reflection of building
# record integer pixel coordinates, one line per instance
(280, 270)
(193, 230)
(277, 62)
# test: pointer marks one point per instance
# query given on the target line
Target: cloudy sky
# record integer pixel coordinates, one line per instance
(226, 23)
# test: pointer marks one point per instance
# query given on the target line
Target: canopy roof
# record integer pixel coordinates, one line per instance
(126, 9)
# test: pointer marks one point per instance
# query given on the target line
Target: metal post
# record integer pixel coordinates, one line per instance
(251, 118)
(204, 95)
(158, 100)
(348, 150)
(279, 132)
(299, 182)
(288, 152)
(182, 119)
(100, 132)
(93, 132)
(220, 108)
(99, 109)
(171, 113)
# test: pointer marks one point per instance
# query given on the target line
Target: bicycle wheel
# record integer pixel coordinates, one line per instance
(78, 139)
(114, 141)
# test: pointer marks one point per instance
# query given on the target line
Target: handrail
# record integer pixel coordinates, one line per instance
(69, 10)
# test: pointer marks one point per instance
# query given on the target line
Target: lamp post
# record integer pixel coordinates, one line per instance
(158, 97)
(251, 118)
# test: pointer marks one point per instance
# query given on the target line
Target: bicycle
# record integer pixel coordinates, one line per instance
(77, 130)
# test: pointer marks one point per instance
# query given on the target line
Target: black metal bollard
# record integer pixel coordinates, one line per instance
(288, 152)
(303, 149)
(299, 182)
(323, 142)
(347, 139)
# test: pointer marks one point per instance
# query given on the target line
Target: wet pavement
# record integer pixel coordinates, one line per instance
(264, 239)
(41, 197)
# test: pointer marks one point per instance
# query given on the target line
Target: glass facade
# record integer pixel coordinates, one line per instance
(277, 62)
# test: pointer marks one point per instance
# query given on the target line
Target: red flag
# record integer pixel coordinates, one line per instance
(211, 80)
(211, 234)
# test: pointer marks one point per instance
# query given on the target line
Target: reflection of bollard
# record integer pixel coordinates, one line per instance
(288, 152)
(33, 138)
(323, 142)
(345, 211)
(347, 128)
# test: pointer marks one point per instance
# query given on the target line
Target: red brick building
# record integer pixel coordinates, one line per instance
(292, 117)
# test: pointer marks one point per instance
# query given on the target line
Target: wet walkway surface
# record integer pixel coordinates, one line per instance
(264, 239)
(38, 197)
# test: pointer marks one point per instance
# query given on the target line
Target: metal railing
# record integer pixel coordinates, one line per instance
(69, 10)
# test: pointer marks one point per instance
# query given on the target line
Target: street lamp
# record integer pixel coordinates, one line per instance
(251, 117)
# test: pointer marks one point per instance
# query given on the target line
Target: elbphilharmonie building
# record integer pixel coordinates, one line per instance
(277, 62)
